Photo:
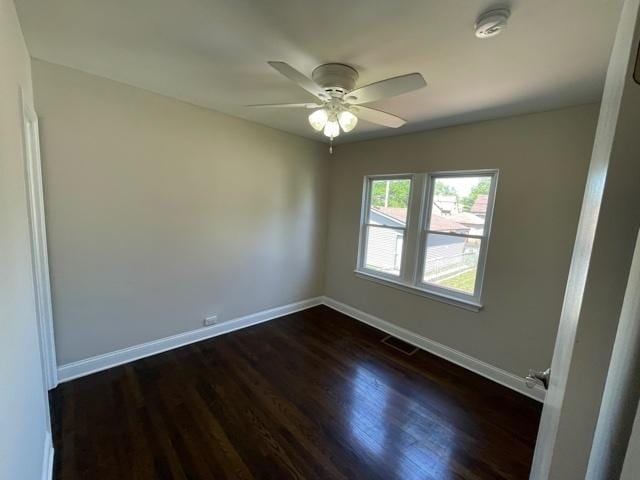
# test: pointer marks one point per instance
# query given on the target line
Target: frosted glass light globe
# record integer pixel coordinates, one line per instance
(348, 121)
(332, 129)
(318, 119)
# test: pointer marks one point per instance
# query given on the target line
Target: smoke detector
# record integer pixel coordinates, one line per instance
(491, 23)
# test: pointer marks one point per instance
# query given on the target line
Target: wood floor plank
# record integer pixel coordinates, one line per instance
(313, 395)
(446, 407)
(292, 421)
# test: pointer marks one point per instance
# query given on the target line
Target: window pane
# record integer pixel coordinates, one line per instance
(389, 202)
(459, 204)
(451, 262)
(384, 250)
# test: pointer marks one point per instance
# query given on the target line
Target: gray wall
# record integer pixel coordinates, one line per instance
(543, 160)
(160, 213)
(23, 407)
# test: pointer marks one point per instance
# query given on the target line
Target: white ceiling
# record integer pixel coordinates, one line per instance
(213, 53)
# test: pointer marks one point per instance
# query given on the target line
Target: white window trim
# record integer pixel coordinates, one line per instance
(412, 264)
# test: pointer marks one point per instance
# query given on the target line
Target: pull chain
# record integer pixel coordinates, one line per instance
(331, 146)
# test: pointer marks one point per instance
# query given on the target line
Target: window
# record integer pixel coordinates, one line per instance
(385, 224)
(428, 232)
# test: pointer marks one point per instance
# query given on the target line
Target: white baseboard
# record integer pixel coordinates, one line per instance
(90, 365)
(496, 374)
(102, 362)
(47, 458)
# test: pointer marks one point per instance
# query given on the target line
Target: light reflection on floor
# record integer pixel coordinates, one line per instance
(416, 454)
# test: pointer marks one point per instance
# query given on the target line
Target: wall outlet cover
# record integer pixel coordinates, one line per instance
(210, 320)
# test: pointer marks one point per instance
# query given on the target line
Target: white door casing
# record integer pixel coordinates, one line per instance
(42, 287)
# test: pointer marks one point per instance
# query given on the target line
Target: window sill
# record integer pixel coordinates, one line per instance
(456, 302)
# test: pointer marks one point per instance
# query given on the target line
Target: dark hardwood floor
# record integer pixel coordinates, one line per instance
(310, 395)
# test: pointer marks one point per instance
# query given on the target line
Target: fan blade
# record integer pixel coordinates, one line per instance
(285, 105)
(378, 116)
(302, 80)
(386, 88)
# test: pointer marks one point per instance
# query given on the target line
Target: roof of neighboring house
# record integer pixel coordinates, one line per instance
(445, 202)
(468, 218)
(438, 222)
(480, 205)
(446, 198)
(443, 223)
(396, 213)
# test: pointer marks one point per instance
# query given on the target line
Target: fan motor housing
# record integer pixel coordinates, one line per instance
(335, 78)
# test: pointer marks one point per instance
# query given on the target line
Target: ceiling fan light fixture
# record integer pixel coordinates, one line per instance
(318, 119)
(347, 120)
(333, 84)
(332, 129)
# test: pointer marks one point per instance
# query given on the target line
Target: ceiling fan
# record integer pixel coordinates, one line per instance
(339, 105)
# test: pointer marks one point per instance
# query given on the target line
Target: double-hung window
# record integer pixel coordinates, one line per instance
(384, 225)
(428, 232)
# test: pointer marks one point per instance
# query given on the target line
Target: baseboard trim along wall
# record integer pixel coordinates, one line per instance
(47, 458)
(90, 365)
(95, 364)
(496, 374)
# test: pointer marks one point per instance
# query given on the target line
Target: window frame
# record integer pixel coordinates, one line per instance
(484, 238)
(415, 238)
(364, 225)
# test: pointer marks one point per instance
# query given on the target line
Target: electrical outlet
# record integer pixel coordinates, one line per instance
(211, 320)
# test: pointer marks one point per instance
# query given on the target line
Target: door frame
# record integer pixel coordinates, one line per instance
(38, 235)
